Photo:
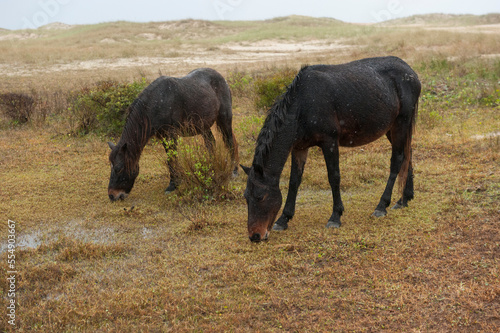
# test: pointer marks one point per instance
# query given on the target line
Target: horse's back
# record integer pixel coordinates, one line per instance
(192, 100)
(217, 84)
(384, 74)
(204, 74)
(199, 82)
(382, 68)
(359, 100)
(210, 77)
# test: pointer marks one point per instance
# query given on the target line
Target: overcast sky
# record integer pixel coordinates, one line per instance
(22, 14)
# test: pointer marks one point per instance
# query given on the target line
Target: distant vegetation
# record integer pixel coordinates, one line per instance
(447, 19)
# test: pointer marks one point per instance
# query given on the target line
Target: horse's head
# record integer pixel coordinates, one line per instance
(264, 201)
(123, 172)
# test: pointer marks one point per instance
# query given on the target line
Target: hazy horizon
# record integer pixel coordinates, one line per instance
(31, 14)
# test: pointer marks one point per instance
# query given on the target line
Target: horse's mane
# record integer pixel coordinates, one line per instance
(136, 133)
(274, 122)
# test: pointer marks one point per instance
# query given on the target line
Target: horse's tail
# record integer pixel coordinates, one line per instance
(236, 154)
(403, 173)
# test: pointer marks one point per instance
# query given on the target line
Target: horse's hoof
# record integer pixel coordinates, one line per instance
(333, 224)
(279, 227)
(398, 206)
(379, 213)
(170, 188)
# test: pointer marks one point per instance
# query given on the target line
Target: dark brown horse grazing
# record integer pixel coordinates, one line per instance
(330, 106)
(166, 107)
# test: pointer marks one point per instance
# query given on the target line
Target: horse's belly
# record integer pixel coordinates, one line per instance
(355, 140)
(358, 131)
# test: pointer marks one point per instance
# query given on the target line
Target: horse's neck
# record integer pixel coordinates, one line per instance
(136, 135)
(280, 149)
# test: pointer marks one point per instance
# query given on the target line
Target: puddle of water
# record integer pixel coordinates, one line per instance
(30, 241)
(486, 136)
(147, 233)
(24, 241)
(73, 229)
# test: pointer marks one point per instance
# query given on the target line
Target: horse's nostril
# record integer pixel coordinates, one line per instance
(255, 237)
(111, 197)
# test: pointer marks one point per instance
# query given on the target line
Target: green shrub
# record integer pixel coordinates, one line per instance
(449, 85)
(269, 88)
(102, 108)
(204, 176)
(239, 82)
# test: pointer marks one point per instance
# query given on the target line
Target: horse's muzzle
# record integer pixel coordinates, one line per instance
(256, 237)
(115, 195)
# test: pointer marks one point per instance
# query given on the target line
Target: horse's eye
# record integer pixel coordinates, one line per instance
(259, 195)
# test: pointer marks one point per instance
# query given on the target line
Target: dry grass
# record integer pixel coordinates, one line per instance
(160, 264)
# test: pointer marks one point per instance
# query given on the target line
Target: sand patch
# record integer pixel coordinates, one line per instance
(149, 36)
(484, 29)
(56, 26)
(230, 53)
(19, 36)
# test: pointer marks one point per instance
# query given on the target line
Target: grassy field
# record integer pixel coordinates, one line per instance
(156, 263)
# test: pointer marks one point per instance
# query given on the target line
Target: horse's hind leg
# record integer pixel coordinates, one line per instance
(385, 200)
(170, 146)
(408, 190)
(398, 138)
(229, 138)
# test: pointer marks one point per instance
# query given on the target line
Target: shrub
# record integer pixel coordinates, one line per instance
(204, 175)
(102, 108)
(239, 82)
(269, 88)
(17, 107)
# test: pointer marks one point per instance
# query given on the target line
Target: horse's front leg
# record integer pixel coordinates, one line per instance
(299, 158)
(170, 145)
(331, 153)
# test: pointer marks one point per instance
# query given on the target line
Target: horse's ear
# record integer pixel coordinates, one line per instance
(111, 145)
(246, 169)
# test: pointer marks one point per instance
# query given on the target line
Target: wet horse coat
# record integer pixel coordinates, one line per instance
(166, 109)
(330, 106)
